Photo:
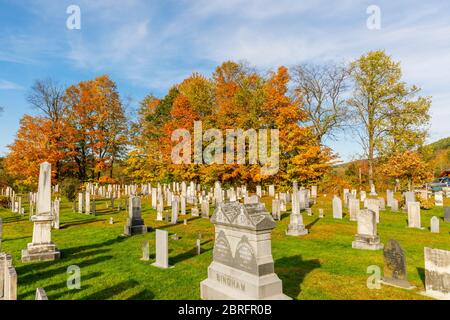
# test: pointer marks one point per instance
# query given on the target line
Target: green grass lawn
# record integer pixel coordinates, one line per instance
(320, 265)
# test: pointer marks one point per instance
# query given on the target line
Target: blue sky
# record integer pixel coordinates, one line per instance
(146, 46)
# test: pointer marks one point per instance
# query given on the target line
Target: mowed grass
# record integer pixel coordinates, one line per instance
(320, 265)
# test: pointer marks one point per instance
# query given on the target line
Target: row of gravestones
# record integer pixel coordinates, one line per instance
(242, 248)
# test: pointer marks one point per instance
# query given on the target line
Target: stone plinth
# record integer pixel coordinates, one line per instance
(41, 248)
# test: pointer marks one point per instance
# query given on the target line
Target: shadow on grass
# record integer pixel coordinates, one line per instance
(143, 295)
(188, 254)
(39, 275)
(310, 225)
(292, 271)
(67, 225)
(421, 272)
(17, 218)
(110, 292)
(61, 285)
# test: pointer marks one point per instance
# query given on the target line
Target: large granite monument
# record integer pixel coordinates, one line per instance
(41, 248)
(242, 267)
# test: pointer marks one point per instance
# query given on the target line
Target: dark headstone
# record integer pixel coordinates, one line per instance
(447, 214)
(395, 266)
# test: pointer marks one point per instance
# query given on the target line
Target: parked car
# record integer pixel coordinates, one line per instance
(439, 183)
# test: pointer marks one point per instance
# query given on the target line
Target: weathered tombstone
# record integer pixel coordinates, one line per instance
(41, 248)
(367, 237)
(55, 214)
(438, 199)
(174, 216)
(373, 204)
(198, 246)
(394, 205)
(309, 211)
(135, 223)
(321, 214)
(111, 220)
(363, 195)
(409, 197)
(41, 294)
(183, 205)
(395, 266)
(162, 249)
(381, 203)
(276, 212)
(87, 203)
(80, 202)
(296, 226)
(437, 273)
(353, 208)
(447, 214)
(205, 209)
(389, 197)
(160, 209)
(242, 266)
(195, 211)
(337, 208)
(414, 215)
(372, 190)
(145, 251)
(272, 191)
(8, 278)
(434, 225)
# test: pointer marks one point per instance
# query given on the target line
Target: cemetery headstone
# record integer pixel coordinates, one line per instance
(367, 237)
(145, 251)
(242, 266)
(414, 215)
(434, 225)
(447, 214)
(162, 249)
(395, 266)
(41, 294)
(337, 208)
(439, 199)
(437, 273)
(8, 278)
(135, 223)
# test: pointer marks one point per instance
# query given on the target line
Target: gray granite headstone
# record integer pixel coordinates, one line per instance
(447, 214)
(395, 266)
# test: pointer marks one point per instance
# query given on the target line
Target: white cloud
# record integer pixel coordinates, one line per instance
(8, 85)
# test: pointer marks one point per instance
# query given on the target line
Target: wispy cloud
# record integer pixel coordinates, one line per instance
(8, 85)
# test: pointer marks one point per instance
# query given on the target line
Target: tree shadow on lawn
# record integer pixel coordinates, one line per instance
(39, 275)
(77, 223)
(188, 254)
(15, 219)
(110, 292)
(310, 225)
(292, 271)
(60, 285)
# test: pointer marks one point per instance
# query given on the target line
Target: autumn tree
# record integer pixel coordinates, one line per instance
(407, 166)
(97, 126)
(386, 112)
(31, 147)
